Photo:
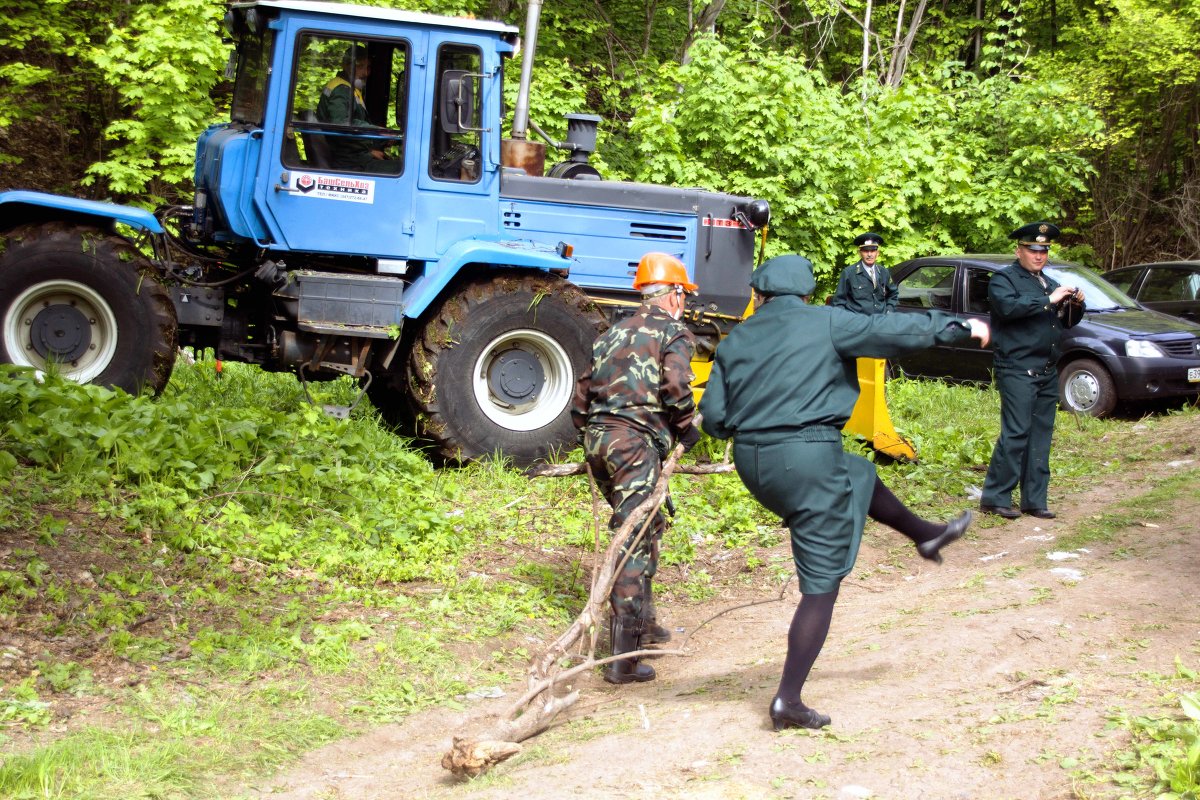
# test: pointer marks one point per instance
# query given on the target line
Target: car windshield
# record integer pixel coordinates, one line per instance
(1099, 294)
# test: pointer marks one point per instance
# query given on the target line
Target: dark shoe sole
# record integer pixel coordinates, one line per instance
(783, 717)
(931, 549)
(1008, 512)
(636, 676)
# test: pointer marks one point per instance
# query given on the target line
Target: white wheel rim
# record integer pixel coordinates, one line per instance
(1083, 390)
(22, 323)
(541, 405)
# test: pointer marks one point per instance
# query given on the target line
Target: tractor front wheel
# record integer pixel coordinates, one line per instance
(494, 368)
(86, 304)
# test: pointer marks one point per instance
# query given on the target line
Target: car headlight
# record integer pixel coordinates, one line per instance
(1140, 348)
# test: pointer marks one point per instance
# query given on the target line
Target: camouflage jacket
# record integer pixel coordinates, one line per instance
(640, 376)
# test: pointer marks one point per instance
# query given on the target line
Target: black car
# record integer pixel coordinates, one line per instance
(1172, 287)
(1120, 352)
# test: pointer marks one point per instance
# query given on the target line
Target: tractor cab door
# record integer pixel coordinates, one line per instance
(459, 173)
(347, 161)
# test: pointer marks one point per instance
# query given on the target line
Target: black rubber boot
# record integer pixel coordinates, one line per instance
(652, 632)
(625, 634)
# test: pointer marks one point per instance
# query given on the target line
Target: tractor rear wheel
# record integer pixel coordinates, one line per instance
(86, 304)
(494, 368)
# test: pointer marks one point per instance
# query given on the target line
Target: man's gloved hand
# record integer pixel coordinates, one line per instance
(690, 438)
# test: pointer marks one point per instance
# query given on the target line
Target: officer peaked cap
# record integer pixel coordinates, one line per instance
(868, 241)
(1037, 236)
(790, 274)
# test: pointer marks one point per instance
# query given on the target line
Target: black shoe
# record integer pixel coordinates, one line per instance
(954, 531)
(624, 633)
(1008, 512)
(785, 715)
(655, 634)
(1041, 513)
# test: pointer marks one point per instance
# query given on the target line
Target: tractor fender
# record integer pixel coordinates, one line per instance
(486, 253)
(21, 207)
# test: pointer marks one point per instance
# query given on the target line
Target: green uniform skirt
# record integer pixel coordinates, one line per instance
(821, 493)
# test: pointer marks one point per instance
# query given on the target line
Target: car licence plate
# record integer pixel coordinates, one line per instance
(1194, 375)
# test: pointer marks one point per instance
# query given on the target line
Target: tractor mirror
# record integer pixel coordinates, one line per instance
(458, 101)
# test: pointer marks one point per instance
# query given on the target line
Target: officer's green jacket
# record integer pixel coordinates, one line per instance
(1026, 328)
(855, 291)
(783, 384)
(792, 365)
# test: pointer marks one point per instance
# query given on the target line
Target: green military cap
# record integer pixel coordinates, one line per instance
(868, 241)
(791, 274)
(1036, 236)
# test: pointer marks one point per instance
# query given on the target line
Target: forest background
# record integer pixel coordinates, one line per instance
(941, 123)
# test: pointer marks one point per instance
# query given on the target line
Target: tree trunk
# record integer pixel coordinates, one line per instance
(706, 22)
(866, 53)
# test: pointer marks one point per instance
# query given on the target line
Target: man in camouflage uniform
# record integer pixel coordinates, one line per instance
(632, 403)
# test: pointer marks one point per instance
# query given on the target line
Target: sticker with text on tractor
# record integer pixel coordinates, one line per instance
(335, 187)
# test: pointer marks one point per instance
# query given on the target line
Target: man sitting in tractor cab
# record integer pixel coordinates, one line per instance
(342, 103)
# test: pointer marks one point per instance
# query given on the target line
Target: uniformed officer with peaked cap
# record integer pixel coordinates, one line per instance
(867, 287)
(1029, 312)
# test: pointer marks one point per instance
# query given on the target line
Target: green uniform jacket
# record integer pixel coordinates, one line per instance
(792, 365)
(783, 384)
(1026, 328)
(855, 291)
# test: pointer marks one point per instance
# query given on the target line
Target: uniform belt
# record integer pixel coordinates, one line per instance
(806, 433)
(1037, 373)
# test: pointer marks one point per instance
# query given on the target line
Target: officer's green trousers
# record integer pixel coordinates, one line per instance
(1022, 453)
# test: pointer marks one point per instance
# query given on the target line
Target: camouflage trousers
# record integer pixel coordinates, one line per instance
(626, 465)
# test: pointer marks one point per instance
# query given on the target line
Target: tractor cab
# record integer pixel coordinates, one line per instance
(341, 117)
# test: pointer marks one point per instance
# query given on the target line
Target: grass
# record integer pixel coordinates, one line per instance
(206, 585)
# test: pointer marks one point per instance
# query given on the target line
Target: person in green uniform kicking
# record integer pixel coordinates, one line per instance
(1029, 313)
(867, 287)
(782, 385)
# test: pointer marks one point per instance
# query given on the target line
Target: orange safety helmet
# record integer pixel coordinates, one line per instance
(662, 268)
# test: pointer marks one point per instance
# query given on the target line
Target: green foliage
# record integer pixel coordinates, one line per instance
(168, 51)
(20, 703)
(265, 476)
(1163, 759)
(938, 162)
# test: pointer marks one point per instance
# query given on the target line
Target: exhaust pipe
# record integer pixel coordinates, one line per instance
(533, 16)
(519, 151)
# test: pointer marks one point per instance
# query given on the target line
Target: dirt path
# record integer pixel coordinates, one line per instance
(990, 677)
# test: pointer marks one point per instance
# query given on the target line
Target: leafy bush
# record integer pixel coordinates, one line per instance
(1166, 747)
(237, 466)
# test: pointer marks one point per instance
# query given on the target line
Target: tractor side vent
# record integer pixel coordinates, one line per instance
(668, 233)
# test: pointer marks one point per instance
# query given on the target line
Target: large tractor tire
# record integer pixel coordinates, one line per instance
(494, 368)
(86, 304)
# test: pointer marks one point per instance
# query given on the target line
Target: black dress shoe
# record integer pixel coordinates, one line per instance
(1008, 512)
(786, 715)
(954, 531)
(1041, 513)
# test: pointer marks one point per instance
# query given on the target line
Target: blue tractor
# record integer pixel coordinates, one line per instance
(361, 215)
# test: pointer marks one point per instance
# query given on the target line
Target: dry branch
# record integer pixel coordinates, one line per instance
(550, 670)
